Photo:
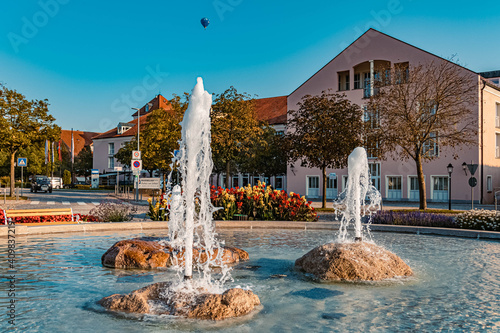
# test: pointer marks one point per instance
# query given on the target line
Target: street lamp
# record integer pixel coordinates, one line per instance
(464, 167)
(450, 171)
(149, 105)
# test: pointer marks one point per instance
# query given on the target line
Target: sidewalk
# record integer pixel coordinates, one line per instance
(388, 205)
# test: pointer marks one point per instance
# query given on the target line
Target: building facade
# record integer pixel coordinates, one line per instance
(352, 72)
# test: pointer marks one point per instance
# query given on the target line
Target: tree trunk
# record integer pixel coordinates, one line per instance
(12, 173)
(421, 183)
(228, 175)
(164, 182)
(323, 170)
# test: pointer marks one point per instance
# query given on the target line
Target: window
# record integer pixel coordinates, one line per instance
(394, 187)
(357, 81)
(489, 183)
(497, 119)
(278, 183)
(111, 162)
(402, 72)
(496, 81)
(312, 190)
(413, 185)
(440, 188)
(431, 147)
(497, 146)
(372, 117)
(245, 180)
(111, 148)
(236, 181)
(366, 85)
(344, 83)
(331, 188)
(374, 169)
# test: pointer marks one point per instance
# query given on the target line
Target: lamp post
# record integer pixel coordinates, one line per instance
(148, 106)
(450, 171)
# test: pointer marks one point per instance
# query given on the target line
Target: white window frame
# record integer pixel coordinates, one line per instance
(497, 145)
(408, 184)
(497, 116)
(111, 151)
(111, 162)
(344, 182)
(432, 184)
(426, 148)
(379, 177)
(489, 183)
(307, 186)
(387, 185)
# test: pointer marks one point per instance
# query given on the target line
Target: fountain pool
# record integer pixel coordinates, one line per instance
(456, 286)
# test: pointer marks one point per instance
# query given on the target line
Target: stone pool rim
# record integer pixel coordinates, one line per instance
(27, 230)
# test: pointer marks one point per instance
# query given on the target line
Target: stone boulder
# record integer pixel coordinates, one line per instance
(161, 299)
(358, 261)
(150, 254)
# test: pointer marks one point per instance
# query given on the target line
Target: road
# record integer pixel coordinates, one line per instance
(80, 201)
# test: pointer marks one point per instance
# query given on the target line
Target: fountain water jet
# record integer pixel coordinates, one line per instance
(191, 234)
(344, 260)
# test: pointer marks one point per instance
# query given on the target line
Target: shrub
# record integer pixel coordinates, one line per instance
(108, 211)
(479, 219)
(415, 218)
(66, 177)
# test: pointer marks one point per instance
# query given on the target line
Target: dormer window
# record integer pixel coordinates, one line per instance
(123, 127)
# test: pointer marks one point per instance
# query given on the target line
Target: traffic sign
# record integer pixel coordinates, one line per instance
(94, 171)
(150, 183)
(472, 182)
(136, 154)
(472, 168)
(118, 168)
(22, 161)
(137, 165)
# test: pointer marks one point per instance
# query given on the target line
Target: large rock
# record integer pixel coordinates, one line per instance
(359, 261)
(161, 299)
(147, 254)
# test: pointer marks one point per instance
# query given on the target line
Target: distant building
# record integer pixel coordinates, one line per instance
(352, 72)
(80, 139)
(272, 110)
(493, 76)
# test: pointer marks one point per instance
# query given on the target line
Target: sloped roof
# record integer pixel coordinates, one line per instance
(272, 110)
(158, 102)
(80, 139)
(113, 133)
(491, 74)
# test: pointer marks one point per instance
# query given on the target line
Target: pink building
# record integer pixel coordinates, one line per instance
(351, 72)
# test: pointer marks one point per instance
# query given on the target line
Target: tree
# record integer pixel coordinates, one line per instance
(124, 155)
(267, 156)
(83, 162)
(161, 136)
(323, 132)
(67, 177)
(423, 109)
(23, 123)
(235, 129)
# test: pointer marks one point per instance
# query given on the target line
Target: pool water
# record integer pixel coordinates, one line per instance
(456, 286)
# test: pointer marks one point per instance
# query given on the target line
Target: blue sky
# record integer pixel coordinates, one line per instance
(93, 60)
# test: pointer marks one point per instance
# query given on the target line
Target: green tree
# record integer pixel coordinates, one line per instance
(83, 162)
(268, 156)
(161, 135)
(323, 132)
(235, 130)
(67, 177)
(23, 123)
(423, 109)
(124, 155)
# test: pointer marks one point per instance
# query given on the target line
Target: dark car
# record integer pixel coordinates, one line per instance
(41, 183)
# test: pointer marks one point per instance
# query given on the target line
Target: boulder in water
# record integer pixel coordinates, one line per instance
(358, 261)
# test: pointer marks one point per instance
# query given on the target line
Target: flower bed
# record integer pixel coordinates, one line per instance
(255, 202)
(415, 218)
(479, 219)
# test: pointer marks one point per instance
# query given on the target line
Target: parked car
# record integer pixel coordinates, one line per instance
(41, 183)
(56, 182)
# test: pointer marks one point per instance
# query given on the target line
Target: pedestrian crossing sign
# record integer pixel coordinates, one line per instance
(22, 161)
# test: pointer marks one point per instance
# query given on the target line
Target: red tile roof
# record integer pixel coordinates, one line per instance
(113, 133)
(159, 102)
(273, 109)
(80, 139)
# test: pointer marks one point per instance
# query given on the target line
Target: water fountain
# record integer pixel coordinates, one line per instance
(192, 241)
(360, 260)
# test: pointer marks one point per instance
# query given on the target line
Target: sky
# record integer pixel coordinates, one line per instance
(95, 60)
